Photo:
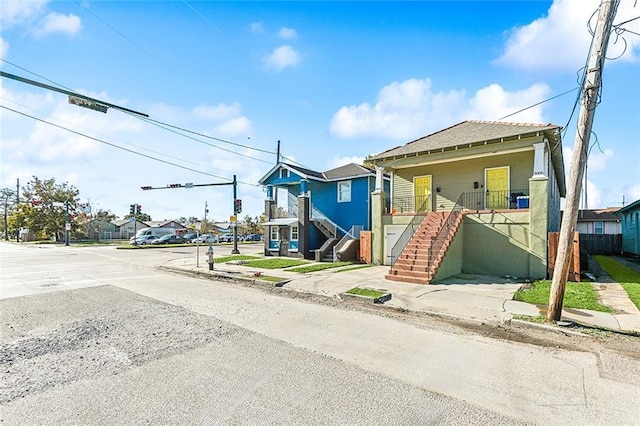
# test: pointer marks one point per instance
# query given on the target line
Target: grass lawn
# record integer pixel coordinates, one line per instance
(319, 267)
(633, 290)
(627, 277)
(277, 263)
(234, 257)
(576, 295)
(365, 292)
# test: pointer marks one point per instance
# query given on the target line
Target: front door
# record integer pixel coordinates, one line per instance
(497, 186)
(422, 193)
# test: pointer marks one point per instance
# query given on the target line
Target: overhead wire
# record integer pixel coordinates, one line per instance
(118, 146)
(169, 127)
(119, 140)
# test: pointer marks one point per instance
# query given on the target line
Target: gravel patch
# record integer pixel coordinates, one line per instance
(124, 331)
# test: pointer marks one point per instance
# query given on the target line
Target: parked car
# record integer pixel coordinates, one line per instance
(145, 239)
(170, 239)
(205, 239)
(253, 237)
(226, 238)
(189, 237)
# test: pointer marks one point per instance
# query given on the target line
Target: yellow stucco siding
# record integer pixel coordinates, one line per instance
(458, 177)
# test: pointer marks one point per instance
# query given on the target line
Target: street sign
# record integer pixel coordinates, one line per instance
(85, 103)
(67, 226)
(232, 219)
(198, 226)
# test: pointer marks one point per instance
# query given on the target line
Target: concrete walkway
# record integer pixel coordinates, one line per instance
(470, 297)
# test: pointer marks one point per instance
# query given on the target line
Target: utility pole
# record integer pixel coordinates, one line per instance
(17, 205)
(235, 213)
(278, 152)
(591, 88)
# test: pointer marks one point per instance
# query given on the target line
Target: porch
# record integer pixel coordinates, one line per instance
(514, 199)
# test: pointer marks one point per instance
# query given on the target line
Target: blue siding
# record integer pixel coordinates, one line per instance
(276, 180)
(631, 228)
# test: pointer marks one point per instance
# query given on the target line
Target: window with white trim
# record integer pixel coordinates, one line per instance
(274, 233)
(294, 233)
(284, 173)
(598, 227)
(344, 191)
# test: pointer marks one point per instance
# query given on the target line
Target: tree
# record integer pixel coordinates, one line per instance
(47, 207)
(252, 224)
(89, 223)
(8, 201)
(142, 217)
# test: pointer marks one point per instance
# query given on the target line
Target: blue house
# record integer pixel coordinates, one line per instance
(630, 218)
(324, 213)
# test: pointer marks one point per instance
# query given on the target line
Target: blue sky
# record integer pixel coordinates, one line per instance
(333, 81)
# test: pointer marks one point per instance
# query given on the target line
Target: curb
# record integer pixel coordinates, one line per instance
(222, 276)
(365, 299)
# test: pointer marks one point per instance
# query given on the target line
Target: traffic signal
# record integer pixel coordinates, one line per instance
(132, 209)
(138, 209)
(238, 208)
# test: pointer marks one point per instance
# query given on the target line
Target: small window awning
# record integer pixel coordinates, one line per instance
(287, 221)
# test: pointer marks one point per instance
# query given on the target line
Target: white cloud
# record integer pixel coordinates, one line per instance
(281, 58)
(228, 119)
(342, 161)
(20, 12)
(4, 48)
(493, 102)
(598, 161)
(31, 15)
(632, 192)
(256, 27)
(287, 33)
(238, 126)
(594, 196)
(560, 40)
(410, 108)
(58, 23)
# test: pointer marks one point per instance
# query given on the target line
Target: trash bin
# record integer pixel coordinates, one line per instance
(522, 202)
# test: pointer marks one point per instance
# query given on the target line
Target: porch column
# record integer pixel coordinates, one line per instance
(269, 210)
(538, 226)
(539, 160)
(304, 225)
(379, 178)
(377, 227)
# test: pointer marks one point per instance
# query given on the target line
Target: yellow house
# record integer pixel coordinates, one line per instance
(478, 197)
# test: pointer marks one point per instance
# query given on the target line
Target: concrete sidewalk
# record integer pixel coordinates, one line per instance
(468, 297)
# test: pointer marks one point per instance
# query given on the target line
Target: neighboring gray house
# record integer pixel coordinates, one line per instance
(599, 221)
(126, 229)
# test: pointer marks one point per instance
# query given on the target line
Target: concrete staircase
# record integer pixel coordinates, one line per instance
(432, 238)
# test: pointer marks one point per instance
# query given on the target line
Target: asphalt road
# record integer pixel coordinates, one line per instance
(100, 336)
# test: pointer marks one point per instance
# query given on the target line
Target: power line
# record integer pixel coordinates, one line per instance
(117, 146)
(119, 140)
(136, 114)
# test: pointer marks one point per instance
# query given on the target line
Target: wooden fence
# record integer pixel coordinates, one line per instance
(365, 247)
(574, 269)
(601, 243)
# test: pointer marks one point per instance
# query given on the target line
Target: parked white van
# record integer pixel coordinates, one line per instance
(144, 233)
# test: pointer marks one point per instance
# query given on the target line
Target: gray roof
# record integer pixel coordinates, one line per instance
(607, 214)
(465, 133)
(351, 170)
(346, 171)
